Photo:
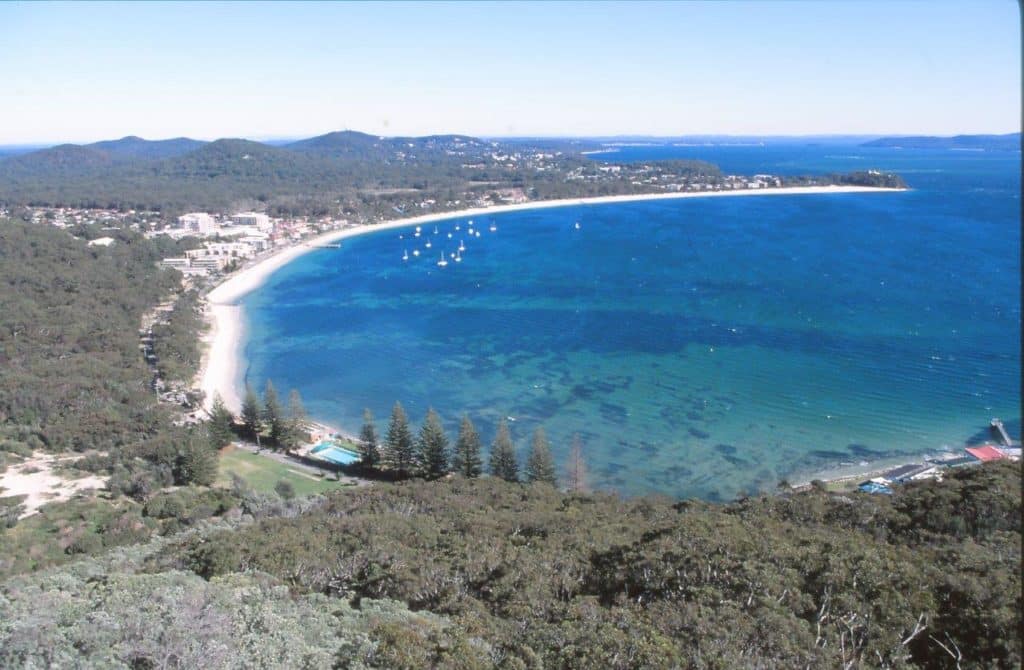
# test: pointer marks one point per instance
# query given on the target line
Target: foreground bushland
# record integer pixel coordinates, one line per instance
(531, 577)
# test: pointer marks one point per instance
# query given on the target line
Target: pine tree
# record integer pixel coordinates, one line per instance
(399, 453)
(503, 455)
(433, 447)
(196, 463)
(295, 426)
(251, 413)
(369, 445)
(539, 465)
(577, 467)
(220, 427)
(273, 417)
(466, 459)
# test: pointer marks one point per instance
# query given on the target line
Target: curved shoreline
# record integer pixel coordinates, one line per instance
(220, 368)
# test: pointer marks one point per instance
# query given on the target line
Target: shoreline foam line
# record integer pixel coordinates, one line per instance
(220, 369)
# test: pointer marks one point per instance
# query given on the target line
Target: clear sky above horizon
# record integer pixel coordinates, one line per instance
(90, 71)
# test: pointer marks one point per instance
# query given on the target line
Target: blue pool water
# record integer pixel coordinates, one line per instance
(330, 452)
(699, 347)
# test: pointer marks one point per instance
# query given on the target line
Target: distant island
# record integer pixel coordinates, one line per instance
(1008, 142)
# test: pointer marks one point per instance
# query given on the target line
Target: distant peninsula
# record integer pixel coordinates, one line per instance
(1008, 142)
(355, 176)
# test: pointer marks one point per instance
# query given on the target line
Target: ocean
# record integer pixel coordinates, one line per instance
(700, 347)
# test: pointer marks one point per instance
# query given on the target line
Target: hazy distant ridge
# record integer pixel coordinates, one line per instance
(1008, 142)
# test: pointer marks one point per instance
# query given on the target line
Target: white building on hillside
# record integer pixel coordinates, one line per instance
(259, 221)
(199, 222)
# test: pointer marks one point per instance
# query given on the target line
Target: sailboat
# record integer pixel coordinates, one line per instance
(415, 252)
(493, 228)
(577, 225)
(405, 256)
(442, 263)
(458, 256)
(435, 230)
(427, 245)
(462, 247)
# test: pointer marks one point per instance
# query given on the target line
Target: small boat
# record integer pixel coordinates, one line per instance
(449, 236)
(405, 256)
(415, 252)
(456, 226)
(442, 263)
(452, 255)
(427, 245)
(493, 228)
(577, 225)
(435, 230)
(458, 257)
(462, 247)
(478, 233)
(471, 223)
(416, 234)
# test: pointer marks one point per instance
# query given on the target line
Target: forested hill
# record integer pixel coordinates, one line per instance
(1008, 142)
(182, 174)
(342, 174)
(135, 148)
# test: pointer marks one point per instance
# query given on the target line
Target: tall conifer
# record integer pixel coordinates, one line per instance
(466, 459)
(576, 468)
(273, 417)
(433, 447)
(503, 455)
(400, 453)
(369, 443)
(295, 426)
(220, 427)
(539, 465)
(251, 413)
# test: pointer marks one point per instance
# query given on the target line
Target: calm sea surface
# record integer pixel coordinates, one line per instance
(699, 347)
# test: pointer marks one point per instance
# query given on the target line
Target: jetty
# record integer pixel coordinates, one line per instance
(999, 432)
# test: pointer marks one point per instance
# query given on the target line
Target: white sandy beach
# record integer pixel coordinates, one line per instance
(220, 369)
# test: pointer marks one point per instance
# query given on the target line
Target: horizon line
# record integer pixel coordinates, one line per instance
(554, 136)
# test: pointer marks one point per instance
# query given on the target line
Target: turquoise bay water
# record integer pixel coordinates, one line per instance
(699, 347)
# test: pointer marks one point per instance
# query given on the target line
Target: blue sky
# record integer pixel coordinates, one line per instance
(84, 72)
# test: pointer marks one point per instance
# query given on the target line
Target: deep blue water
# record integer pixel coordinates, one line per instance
(699, 347)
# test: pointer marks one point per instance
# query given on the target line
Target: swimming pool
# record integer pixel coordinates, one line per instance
(334, 454)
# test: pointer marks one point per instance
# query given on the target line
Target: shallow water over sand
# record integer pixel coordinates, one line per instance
(699, 347)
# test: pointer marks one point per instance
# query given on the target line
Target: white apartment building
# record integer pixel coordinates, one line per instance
(199, 222)
(259, 221)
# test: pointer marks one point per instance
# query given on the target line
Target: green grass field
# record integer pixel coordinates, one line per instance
(262, 474)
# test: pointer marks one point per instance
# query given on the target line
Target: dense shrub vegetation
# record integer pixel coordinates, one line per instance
(74, 378)
(72, 373)
(537, 578)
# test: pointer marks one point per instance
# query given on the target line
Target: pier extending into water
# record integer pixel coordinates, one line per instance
(999, 430)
